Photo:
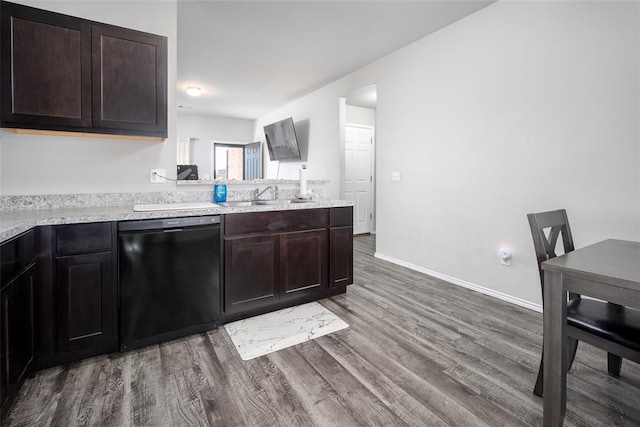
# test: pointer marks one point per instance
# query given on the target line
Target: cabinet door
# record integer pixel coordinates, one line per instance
(251, 272)
(341, 250)
(86, 303)
(45, 68)
(15, 255)
(304, 262)
(4, 345)
(129, 78)
(16, 333)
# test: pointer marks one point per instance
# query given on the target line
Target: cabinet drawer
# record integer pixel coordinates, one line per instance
(278, 221)
(82, 238)
(15, 255)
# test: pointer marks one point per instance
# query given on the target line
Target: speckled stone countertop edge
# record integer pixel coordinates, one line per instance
(88, 200)
(14, 223)
(252, 182)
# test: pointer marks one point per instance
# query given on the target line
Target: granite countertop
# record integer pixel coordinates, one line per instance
(15, 222)
(253, 182)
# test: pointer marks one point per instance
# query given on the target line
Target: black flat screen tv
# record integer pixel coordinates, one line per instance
(281, 140)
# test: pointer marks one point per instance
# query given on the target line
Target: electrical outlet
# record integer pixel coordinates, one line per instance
(505, 256)
(395, 176)
(156, 176)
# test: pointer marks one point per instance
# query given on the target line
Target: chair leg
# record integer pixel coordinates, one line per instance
(537, 390)
(572, 347)
(614, 364)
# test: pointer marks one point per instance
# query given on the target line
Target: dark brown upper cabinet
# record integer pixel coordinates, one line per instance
(129, 80)
(46, 69)
(61, 73)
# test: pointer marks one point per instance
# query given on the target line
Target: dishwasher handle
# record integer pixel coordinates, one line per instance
(169, 223)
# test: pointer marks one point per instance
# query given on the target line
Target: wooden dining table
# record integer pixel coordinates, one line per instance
(608, 270)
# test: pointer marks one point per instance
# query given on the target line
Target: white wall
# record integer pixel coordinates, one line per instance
(62, 165)
(318, 138)
(360, 115)
(206, 129)
(520, 107)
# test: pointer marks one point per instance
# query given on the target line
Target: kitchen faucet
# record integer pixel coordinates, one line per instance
(257, 193)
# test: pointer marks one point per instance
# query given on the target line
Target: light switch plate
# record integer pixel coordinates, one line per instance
(395, 176)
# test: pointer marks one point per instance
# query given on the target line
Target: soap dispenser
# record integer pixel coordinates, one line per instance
(219, 193)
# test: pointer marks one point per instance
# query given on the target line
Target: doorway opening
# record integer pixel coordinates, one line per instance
(359, 156)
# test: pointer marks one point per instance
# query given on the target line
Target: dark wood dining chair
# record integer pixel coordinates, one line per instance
(611, 327)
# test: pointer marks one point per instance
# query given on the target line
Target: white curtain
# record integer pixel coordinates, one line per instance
(184, 150)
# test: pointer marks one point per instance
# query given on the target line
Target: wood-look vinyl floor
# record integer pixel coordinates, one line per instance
(418, 351)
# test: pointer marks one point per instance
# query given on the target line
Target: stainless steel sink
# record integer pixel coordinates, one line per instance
(238, 203)
(273, 202)
(244, 203)
(281, 201)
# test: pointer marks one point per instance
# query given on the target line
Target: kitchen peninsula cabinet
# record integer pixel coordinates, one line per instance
(277, 259)
(341, 251)
(17, 283)
(62, 73)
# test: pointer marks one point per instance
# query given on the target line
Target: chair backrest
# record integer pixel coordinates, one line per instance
(545, 246)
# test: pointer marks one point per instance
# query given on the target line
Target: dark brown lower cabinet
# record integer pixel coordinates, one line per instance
(282, 258)
(17, 285)
(16, 335)
(252, 272)
(341, 246)
(86, 304)
(341, 267)
(264, 271)
(77, 296)
(304, 262)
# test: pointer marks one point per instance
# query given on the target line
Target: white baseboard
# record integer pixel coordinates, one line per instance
(486, 291)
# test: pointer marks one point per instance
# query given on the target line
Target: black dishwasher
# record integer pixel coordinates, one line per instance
(169, 277)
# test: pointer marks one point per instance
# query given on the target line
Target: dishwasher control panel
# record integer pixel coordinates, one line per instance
(190, 221)
(165, 223)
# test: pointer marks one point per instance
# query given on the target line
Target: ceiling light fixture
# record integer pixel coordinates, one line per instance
(194, 91)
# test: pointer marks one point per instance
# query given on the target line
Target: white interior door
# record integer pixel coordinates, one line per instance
(358, 176)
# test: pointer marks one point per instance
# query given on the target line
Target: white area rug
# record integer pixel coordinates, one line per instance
(280, 329)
